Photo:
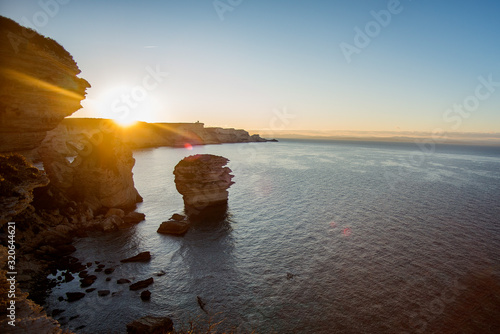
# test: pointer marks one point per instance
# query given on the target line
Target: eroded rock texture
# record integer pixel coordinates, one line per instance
(203, 181)
(100, 174)
(18, 179)
(39, 86)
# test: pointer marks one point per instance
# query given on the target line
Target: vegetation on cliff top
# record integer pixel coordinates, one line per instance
(46, 43)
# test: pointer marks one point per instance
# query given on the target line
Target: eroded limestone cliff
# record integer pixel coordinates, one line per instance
(49, 208)
(39, 86)
(99, 175)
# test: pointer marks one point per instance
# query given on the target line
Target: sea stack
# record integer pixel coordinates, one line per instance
(203, 181)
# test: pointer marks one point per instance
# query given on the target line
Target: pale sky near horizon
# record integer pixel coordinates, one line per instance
(293, 65)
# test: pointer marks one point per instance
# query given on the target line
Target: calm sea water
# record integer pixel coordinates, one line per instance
(377, 237)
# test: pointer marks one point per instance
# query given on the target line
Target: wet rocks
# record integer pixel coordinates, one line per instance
(141, 257)
(56, 312)
(202, 180)
(141, 284)
(115, 212)
(123, 281)
(74, 296)
(111, 223)
(160, 273)
(133, 218)
(146, 295)
(150, 325)
(68, 277)
(109, 271)
(88, 281)
(103, 293)
(177, 225)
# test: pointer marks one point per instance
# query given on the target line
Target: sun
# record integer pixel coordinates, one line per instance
(118, 103)
(126, 121)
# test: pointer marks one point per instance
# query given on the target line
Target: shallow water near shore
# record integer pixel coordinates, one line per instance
(321, 237)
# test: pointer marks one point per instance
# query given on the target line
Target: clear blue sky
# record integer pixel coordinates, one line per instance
(237, 64)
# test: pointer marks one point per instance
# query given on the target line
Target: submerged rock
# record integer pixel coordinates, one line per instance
(88, 281)
(141, 257)
(160, 273)
(109, 271)
(141, 284)
(202, 180)
(103, 293)
(74, 296)
(150, 325)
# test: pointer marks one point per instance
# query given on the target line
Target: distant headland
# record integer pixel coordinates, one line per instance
(143, 135)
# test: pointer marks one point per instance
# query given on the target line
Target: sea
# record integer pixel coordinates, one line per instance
(320, 237)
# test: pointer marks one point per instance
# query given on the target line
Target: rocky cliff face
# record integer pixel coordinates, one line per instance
(100, 175)
(51, 207)
(203, 181)
(39, 86)
(18, 179)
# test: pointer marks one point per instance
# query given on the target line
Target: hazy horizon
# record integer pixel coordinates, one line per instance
(388, 66)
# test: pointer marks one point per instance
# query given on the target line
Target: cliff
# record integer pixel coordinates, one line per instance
(99, 175)
(39, 86)
(142, 135)
(52, 206)
(18, 179)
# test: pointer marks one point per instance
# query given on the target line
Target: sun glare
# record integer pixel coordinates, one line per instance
(125, 121)
(124, 108)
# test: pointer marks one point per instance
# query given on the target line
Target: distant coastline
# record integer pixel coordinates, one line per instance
(452, 138)
(147, 135)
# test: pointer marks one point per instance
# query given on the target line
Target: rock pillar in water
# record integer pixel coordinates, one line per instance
(203, 181)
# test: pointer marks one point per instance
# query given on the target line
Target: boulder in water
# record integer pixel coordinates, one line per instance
(74, 296)
(141, 284)
(141, 257)
(177, 225)
(150, 325)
